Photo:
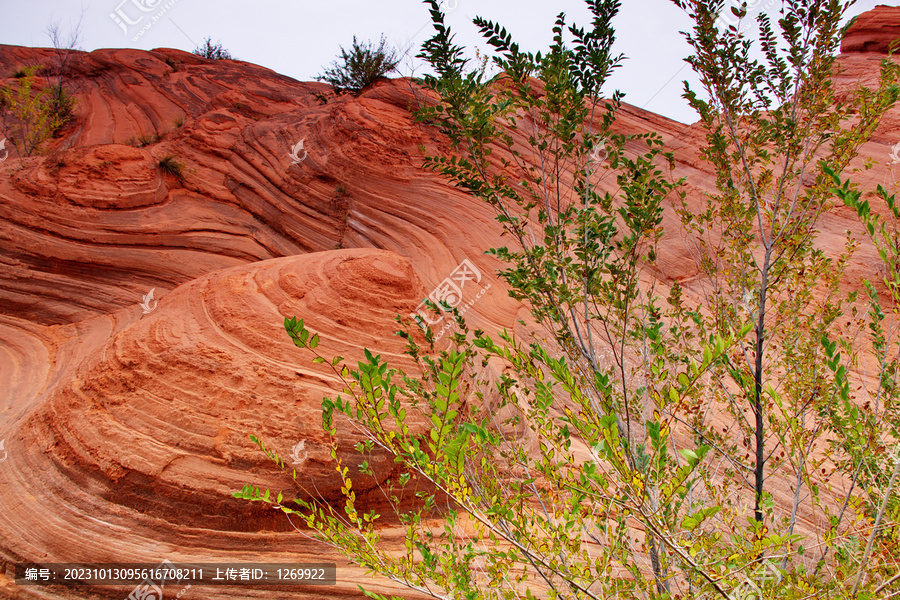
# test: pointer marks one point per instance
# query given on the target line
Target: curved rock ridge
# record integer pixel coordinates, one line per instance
(148, 438)
(874, 31)
(96, 224)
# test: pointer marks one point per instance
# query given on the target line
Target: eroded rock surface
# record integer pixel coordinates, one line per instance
(874, 31)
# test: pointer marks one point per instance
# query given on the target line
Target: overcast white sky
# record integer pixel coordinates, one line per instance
(300, 37)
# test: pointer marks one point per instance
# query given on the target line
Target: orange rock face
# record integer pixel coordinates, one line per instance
(874, 31)
(125, 418)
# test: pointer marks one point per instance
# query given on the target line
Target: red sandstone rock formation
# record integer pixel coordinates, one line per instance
(873, 31)
(126, 432)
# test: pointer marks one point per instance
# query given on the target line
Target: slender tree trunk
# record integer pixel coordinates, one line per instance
(758, 389)
(662, 585)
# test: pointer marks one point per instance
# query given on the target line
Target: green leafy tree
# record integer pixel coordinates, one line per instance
(62, 102)
(31, 114)
(361, 66)
(779, 136)
(633, 455)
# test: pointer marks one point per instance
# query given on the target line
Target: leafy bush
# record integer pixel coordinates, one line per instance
(30, 115)
(62, 106)
(64, 44)
(212, 51)
(361, 66)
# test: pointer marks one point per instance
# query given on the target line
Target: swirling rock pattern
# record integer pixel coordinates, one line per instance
(125, 433)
